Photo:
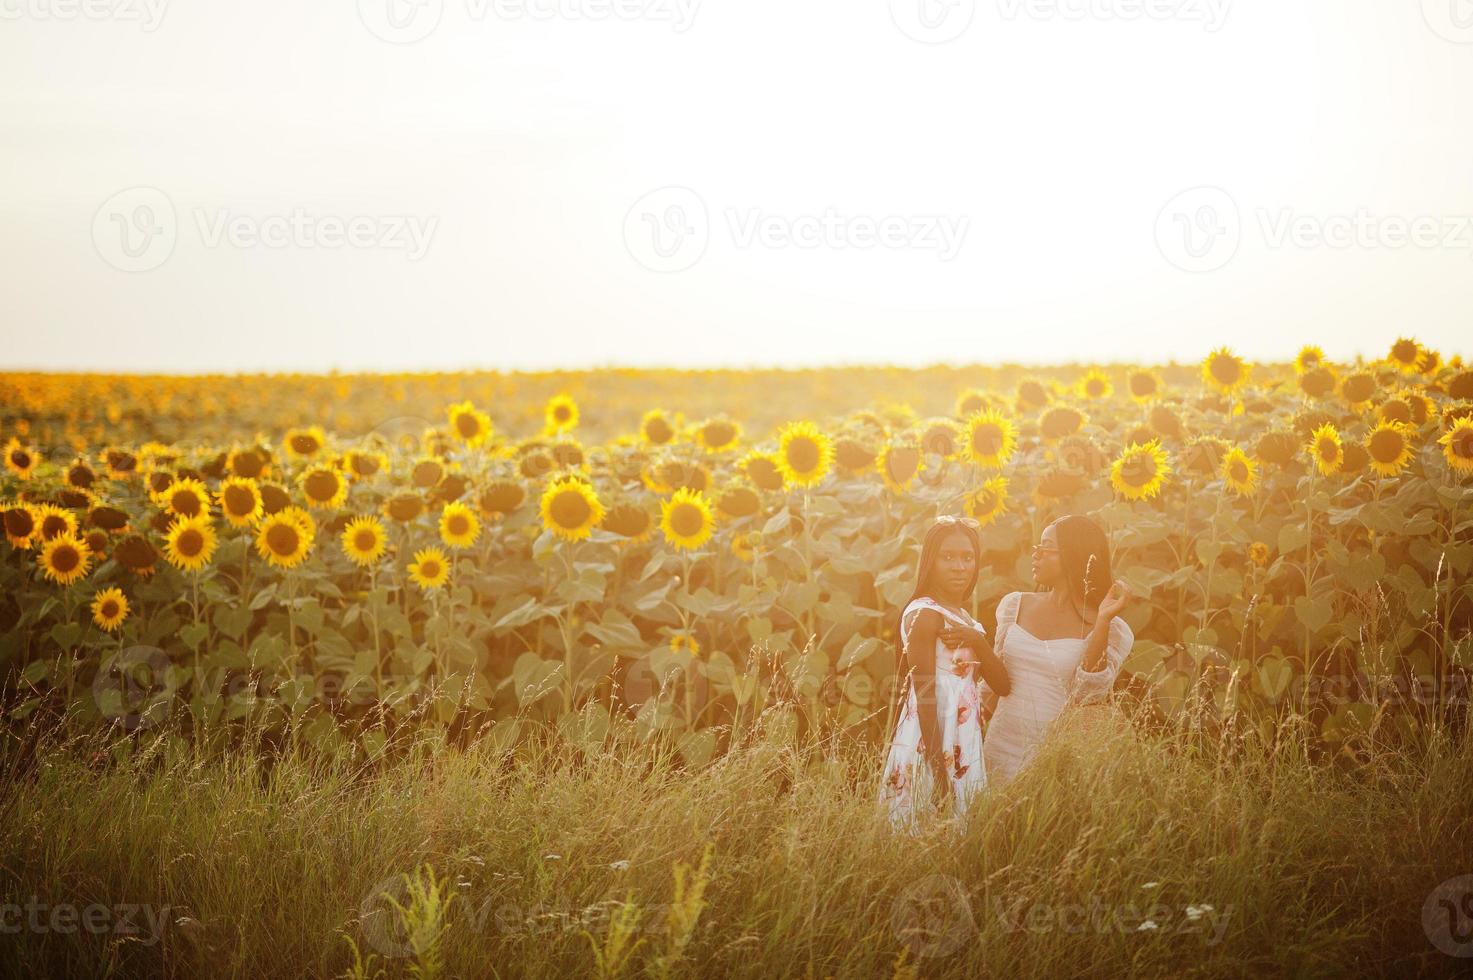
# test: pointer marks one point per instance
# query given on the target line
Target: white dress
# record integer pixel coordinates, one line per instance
(1046, 676)
(906, 782)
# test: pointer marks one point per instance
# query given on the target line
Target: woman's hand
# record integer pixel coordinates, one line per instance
(963, 636)
(1114, 601)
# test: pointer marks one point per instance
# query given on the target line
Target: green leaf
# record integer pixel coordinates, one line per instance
(66, 635)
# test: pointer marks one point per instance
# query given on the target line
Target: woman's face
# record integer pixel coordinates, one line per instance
(955, 564)
(1047, 569)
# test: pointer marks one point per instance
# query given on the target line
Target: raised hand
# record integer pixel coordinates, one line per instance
(1115, 600)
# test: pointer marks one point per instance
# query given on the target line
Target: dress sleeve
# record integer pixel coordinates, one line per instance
(1007, 614)
(1095, 685)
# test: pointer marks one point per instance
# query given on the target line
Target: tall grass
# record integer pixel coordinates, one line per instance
(546, 860)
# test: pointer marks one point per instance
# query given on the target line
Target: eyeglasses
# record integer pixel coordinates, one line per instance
(950, 519)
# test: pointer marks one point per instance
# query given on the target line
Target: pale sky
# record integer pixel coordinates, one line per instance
(459, 184)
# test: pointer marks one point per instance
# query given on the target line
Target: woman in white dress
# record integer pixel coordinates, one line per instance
(1062, 646)
(936, 748)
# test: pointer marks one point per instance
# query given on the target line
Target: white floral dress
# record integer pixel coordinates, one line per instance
(906, 783)
(1046, 677)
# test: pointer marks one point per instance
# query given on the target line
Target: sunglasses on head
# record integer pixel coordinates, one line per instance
(950, 519)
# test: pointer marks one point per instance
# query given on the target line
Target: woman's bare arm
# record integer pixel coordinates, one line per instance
(920, 651)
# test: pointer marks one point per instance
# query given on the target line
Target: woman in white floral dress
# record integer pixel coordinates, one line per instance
(936, 746)
(1070, 650)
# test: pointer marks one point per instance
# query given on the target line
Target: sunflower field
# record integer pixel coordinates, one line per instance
(335, 558)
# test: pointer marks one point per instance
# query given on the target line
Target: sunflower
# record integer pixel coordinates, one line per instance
(240, 501)
(741, 546)
(190, 543)
(470, 425)
(284, 538)
(762, 469)
(1405, 355)
(570, 508)
(18, 459)
(79, 475)
(681, 640)
(304, 443)
(990, 439)
(109, 609)
(987, 503)
(941, 437)
(1225, 371)
(686, 519)
(427, 471)
(1060, 421)
(1144, 385)
(324, 487)
(736, 500)
(360, 464)
(631, 521)
(500, 497)
(561, 414)
(53, 521)
(64, 559)
(1358, 389)
(249, 464)
(718, 435)
(804, 454)
(854, 455)
(970, 402)
(1326, 449)
(1318, 382)
(1390, 447)
(1258, 553)
(185, 497)
(1140, 470)
(1240, 472)
(1031, 393)
(1095, 385)
(21, 524)
(899, 463)
(459, 526)
(364, 540)
(404, 507)
(656, 428)
(1457, 446)
(430, 569)
(1309, 358)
